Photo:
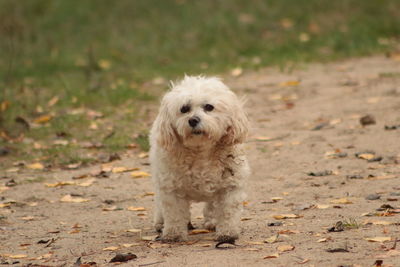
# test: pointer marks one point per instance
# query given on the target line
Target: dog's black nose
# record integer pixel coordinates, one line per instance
(193, 121)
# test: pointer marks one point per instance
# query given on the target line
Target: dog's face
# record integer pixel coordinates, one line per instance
(199, 112)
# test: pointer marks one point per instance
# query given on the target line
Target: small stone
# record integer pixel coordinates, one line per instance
(355, 176)
(396, 194)
(275, 224)
(373, 197)
(320, 173)
(367, 120)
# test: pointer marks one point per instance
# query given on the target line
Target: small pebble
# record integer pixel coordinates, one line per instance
(320, 173)
(367, 120)
(355, 176)
(275, 224)
(373, 197)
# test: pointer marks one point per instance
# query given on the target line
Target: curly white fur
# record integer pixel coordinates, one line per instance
(200, 161)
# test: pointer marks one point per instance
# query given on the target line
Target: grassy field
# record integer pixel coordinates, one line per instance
(80, 71)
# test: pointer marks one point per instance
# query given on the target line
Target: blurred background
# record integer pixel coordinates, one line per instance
(76, 74)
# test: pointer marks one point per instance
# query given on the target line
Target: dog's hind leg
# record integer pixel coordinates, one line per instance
(209, 216)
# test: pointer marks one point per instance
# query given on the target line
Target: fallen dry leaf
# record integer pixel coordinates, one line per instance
(287, 216)
(43, 119)
(379, 222)
(136, 208)
(139, 174)
(236, 72)
(35, 166)
(69, 198)
(288, 232)
(112, 208)
(110, 248)
(382, 177)
(128, 245)
(379, 239)
(289, 83)
(123, 169)
(322, 206)
(199, 231)
(4, 205)
(272, 256)
(16, 256)
(87, 183)
(134, 230)
(252, 249)
(341, 201)
(28, 218)
(59, 184)
(272, 239)
(143, 155)
(284, 248)
(148, 237)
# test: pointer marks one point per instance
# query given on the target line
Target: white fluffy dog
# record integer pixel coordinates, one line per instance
(196, 156)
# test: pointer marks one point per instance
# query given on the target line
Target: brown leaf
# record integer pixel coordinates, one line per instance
(272, 256)
(111, 248)
(287, 216)
(35, 166)
(139, 174)
(136, 208)
(284, 248)
(341, 201)
(379, 239)
(43, 119)
(199, 231)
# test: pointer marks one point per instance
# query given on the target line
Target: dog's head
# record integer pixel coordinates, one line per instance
(200, 111)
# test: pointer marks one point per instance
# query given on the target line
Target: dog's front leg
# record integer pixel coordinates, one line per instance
(176, 213)
(228, 216)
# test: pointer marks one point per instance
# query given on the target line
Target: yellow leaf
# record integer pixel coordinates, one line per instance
(35, 166)
(136, 208)
(43, 119)
(104, 64)
(4, 205)
(143, 155)
(69, 198)
(199, 231)
(289, 83)
(341, 201)
(59, 184)
(252, 249)
(110, 208)
(139, 174)
(379, 239)
(286, 216)
(272, 239)
(122, 169)
(148, 194)
(304, 37)
(17, 256)
(272, 256)
(53, 101)
(148, 238)
(128, 245)
(236, 72)
(4, 105)
(134, 230)
(110, 248)
(322, 206)
(87, 183)
(28, 218)
(366, 156)
(284, 248)
(322, 240)
(263, 138)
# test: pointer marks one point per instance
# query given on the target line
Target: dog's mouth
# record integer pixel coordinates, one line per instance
(197, 132)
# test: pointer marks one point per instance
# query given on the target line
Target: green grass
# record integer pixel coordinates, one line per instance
(103, 55)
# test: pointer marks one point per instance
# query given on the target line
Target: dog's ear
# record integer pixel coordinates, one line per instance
(238, 127)
(162, 129)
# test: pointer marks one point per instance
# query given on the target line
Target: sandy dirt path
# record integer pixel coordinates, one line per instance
(306, 132)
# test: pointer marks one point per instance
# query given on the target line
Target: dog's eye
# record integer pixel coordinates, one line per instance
(208, 107)
(185, 109)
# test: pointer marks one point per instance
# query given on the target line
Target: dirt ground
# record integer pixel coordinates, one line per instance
(306, 178)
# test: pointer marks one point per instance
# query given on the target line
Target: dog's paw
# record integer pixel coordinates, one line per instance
(159, 227)
(209, 226)
(226, 239)
(173, 238)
